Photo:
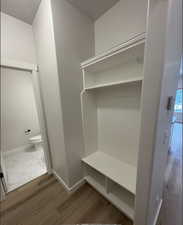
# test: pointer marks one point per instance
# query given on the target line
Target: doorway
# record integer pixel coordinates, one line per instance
(173, 177)
(24, 145)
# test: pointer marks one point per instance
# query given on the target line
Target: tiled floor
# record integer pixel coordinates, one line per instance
(24, 166)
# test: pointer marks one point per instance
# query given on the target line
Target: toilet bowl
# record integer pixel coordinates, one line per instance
(36, 141)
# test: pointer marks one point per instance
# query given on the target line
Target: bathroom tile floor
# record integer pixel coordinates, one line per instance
(24, 166)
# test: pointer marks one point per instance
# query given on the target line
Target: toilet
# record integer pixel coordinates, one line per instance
(36, 141)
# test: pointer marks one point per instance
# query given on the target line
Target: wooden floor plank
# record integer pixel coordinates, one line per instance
(45, 202)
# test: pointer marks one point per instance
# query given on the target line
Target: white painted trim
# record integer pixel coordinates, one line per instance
(158, 212)
(18, 65)
(139, 39)
(60, 180)
(18, 149)
(77, 185)
(42, 120)
(72, 189)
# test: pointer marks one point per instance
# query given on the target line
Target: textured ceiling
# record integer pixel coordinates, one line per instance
(93, 8)
(21, 9)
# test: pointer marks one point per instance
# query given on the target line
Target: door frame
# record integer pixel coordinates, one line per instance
(33, 71)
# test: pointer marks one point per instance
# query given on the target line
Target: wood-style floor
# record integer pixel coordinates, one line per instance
(45, 202)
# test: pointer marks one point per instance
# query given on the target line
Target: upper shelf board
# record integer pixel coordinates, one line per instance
(137, 40)
(120, 172)
(137, 79)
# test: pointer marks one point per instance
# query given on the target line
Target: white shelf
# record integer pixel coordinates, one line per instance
(95, 184)
(116, 170)
(109, 116)
(114, 83)
(139, 39)
(126, 208)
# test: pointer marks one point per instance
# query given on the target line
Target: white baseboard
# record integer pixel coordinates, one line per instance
(158, 212)
(68, 189)
(15, 150)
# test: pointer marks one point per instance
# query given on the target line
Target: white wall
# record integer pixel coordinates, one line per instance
(16, 40)
(18, 109)
(123, 21)
(171, 73)
(46, 57)
(162, 65)
(74, 36)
